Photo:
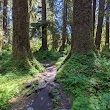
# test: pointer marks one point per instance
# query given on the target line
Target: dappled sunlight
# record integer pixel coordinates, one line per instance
(54, 55)
(45, 93)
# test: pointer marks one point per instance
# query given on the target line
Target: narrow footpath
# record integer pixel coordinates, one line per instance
(48, 94)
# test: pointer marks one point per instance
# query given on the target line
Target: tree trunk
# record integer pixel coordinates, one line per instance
(64, 33)
(5, 16)
(94, 9)
(44, 30)
(54, 41)
(83, 40)
(107, 27)
(100, 23)
(21, 45)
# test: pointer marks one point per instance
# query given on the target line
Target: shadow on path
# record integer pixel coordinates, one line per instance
(48, 94)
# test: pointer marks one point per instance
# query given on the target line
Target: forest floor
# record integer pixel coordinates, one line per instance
(85, 78)
(46, 95)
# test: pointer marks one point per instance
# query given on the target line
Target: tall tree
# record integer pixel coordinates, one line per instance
(107, 26)
(64, 32)
(5, 15)
(94, 9)
(21, 44)
(53, 28)
(100, 23)
(44, 30)
(83, 40)
(1, 15)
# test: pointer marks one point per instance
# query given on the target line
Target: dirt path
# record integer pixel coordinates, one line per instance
(47, 96)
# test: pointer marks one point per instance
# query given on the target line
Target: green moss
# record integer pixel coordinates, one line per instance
(85, 79)
(13, 74)
(48, 56)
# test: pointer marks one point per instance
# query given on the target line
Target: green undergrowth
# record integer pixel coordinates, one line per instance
(106, 54)
(50, 57)
(13, 75)
(86, 79)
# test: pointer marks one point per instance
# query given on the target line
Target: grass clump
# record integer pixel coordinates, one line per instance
(13, 75)
(86, 79)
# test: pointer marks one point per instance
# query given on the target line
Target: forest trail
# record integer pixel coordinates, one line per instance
(48, 94)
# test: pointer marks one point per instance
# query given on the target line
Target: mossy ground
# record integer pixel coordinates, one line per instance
(53, 57)
(86, 79)
(13, 75)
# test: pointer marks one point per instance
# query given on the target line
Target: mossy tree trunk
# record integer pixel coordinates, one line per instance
(107, 26)
(94, 10)
(5, 2)
(53, 28)
(21, 45)
(100, 23)
(64, 32)
(44, 27)
(82, 40)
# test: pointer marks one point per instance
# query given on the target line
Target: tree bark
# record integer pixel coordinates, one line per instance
(94, 9)
(83, 40)
(21, 45)
(64, 32)
(5, 16)
(107, 27)
(100, 23)
(44, 30)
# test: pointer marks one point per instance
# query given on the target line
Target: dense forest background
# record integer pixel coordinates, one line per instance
(72, 35)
